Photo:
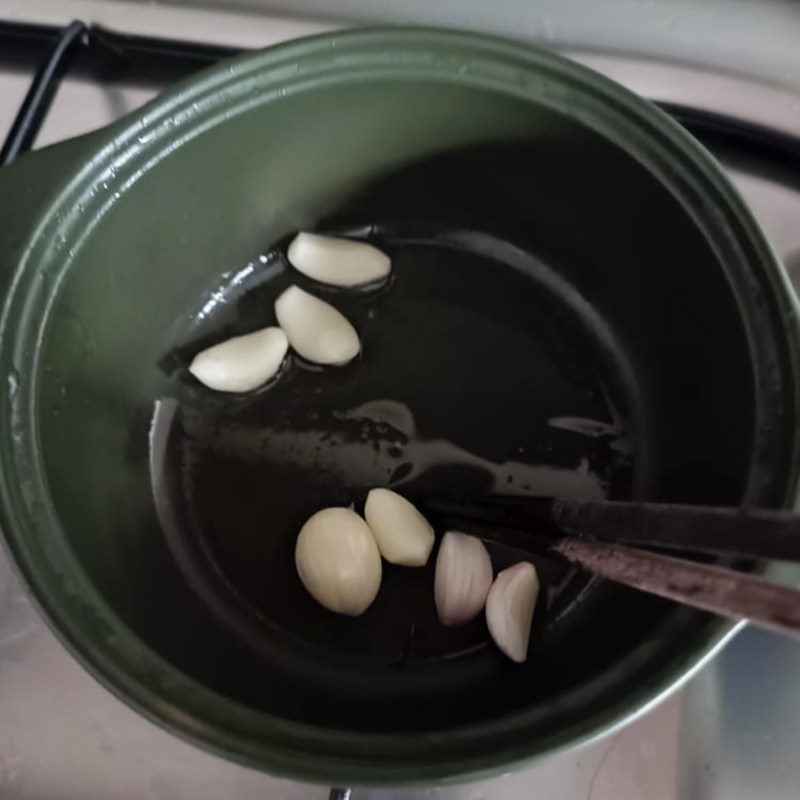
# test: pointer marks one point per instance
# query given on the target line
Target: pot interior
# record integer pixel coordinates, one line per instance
(541, 275)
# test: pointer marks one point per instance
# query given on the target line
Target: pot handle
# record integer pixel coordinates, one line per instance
(27, 188)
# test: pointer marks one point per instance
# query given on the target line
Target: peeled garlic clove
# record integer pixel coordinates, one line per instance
(242, 363)
(338, 561)
(338, 262)
(403, 535)
(462, 580)
(509, 609)
(316, 329)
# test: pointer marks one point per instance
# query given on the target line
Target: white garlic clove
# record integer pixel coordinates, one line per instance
(403, 535)
(338, 561)
(315, 329)
(509, 609)
(242, 363)
(338, 262)
(462, 580)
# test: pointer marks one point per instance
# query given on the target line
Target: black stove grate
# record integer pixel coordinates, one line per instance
(88, 51)
(113, 57)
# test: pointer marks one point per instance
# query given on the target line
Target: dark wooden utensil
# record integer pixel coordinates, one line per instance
(598, 535)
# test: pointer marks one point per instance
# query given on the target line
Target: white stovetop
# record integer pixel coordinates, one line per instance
(63, 737)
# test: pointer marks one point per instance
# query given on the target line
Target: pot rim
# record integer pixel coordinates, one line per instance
(127, 149)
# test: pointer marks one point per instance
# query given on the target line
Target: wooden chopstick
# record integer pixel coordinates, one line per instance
(723, 591)
(749, 533)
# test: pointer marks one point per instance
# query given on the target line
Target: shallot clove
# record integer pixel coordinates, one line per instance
(509, 609)
(462, 580)
(338, 262)
(338, 561)
(403, 535)
(315, 329)
(242, 363)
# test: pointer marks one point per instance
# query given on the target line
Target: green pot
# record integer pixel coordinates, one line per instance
(111, 240)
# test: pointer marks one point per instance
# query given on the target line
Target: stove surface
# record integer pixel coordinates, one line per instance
(732, 732)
